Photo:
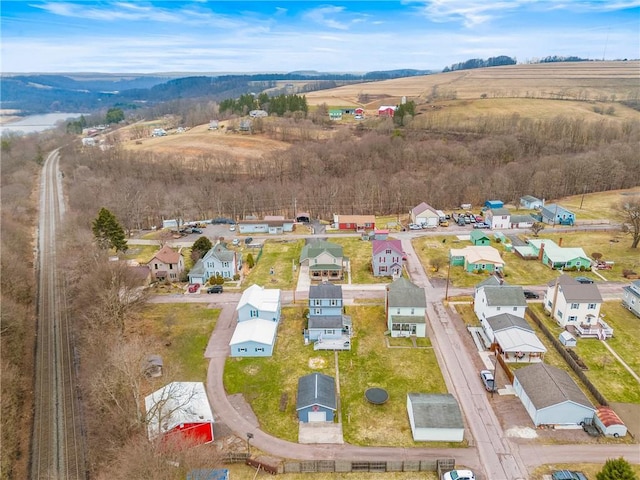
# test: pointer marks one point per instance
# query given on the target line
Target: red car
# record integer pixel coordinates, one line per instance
(193, 288)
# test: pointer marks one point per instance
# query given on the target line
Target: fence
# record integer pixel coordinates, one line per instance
(380, 466)
(568, 358)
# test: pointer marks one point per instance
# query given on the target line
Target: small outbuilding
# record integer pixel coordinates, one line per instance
(435, 417)
(609, 422)
(317, 400)
(479, 238)
(491, 204)
(567, 339)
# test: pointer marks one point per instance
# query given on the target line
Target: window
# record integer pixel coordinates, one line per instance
(155, 266)
(317, 301)
(334, 302)
(498, 309)
(330, 332)
(242, 350)
(171, 266)
(317, 311)
(559, 314)
(388, 251)
(398, 311)
(259, 349)
(572, 318)
(592, 306)
(396, 326)
(515, 309)
(575, 306)
(383, 268)
(225, 264)
(413, 311)
(253, 313)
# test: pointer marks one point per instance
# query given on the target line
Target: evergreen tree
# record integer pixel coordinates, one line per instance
(201, 246)
(108, 232)
(114, 115)
(616, 469)
(250, 260)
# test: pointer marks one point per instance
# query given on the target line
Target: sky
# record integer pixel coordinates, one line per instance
(284, 35)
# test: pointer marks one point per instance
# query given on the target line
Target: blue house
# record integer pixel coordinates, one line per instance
(317, 400)
(254, 338)
(273, 225)
(530, 203)
(217, 261)
(327, 325)
(556, 215)
(259, 302)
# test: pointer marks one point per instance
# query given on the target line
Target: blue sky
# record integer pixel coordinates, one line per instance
(282, 36)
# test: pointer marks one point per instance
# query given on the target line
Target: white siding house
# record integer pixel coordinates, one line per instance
(492, 300)
(259, 302)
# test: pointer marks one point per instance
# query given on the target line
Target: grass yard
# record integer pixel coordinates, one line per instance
(282, 256)
(141, 253)
(392, 222)
(606, 373)
(181, 332)
(359, 253)
(468, 315)
(369, 363)
(589, 469)
(600, 205)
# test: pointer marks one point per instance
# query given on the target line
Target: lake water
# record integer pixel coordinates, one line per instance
(37, 123)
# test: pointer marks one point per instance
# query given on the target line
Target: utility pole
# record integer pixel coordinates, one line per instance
(582, 199)
(446, 291)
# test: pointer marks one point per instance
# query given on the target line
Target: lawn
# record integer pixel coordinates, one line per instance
(606, 373)
(359, 254)
(369, 363)
(597, 206)
(141, 253)
(181, 332)
(277, 266)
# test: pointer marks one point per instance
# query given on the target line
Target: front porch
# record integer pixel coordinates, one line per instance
(342, 343)
(325, 274)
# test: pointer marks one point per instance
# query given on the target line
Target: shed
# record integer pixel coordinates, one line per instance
(550, 396)
(609, 422)
(180, 410)
(530, 202)
(317, 400)
(494, 204)
(435, 417)
(479, 238)
(567, 339)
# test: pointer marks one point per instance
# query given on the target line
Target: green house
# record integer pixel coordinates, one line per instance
(479, 238)
(557, 257)
(477, 258)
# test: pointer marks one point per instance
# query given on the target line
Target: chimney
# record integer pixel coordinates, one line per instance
(541, 252)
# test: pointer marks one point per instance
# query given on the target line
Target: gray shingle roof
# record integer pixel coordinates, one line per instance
(434, 410)
(325, 321)
(490, 281)
(221, 252)
(313, 249)
(325, 290)
(408, 319)
(316, 389)
(506, 320)
(403, 293)
(546, 385)
(505, 296)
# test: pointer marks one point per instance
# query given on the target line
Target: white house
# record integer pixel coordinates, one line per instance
(492, 300)
(497, 218)
(259, 302)
(550, 396)
(631, 297)
(434, 417)
(406, 306)
(425, 214)
(576, 306)
(254, 338)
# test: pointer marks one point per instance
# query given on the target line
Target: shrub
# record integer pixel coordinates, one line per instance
(236, 277)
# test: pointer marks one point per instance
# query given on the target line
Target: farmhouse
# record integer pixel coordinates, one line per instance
(387, 110)
(491, 300)
(631, 297)
(317, 400)
(259, 302)
(324, 259)
(386, 258)
(474, 258)
(550, 396)
(405, 308)
(556, 215)
(358, 223)
(531, 203)
(253, 338)
(424, 214)
(167, 264)
(497, 218)
(180, 410)
(434, 417)
(219, 260)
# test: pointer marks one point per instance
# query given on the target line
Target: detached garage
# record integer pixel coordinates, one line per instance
(609, 422)
(550, 396)
(435, 417)
(317, 400)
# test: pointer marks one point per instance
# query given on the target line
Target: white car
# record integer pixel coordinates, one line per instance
(459, 475)
(232, 228)
(415, 226)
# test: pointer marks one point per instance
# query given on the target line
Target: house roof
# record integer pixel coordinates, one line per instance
(434, 410)
(325, 321)
(325, 290)
(478, 254)
(477, 235)
(174, 404)
(167, 255)
(529, 199)
(403, 293)
(316, 389)
(522, 218)
(490, 281)
(553, 209)
(408, 319)
(608, 417)
(382, 245)
(316, 248)
(220, 252)
(270, 222)
(515, 339)
(559, 254)
(546, 386)
(358, 219)
(576, 292)
(263, 299)
(632, 289)
(197, 269)
(424, 208)
(255, 330)
(504, 296)
(507, 320)
(499, 211)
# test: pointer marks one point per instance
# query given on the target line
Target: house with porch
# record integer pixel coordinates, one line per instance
(555, 214)
(327, 326)
(576, 307)
(405, 309)
(219, 260)
(530, 202)
(513, 338)
(491, 300)
(354, 223)
(631, 297)
(425, 214)
(478, 237)
(324, 259)
(558, 257)
(497, 218)
(477, 258)
(386, 258)
(259, 302)
(167, 264)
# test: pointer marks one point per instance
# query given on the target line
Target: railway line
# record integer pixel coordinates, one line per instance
(57, 442)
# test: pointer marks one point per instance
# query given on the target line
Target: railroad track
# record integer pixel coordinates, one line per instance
(57, 442)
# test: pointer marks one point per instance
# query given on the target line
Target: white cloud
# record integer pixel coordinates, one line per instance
(322, 16)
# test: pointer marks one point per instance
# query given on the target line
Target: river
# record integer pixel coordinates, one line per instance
(36, 123)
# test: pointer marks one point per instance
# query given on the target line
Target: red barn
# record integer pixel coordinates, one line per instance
(359, 223)
(180, 409)
(386, 111)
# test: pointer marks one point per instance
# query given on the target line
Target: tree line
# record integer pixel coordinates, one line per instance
(481, 63)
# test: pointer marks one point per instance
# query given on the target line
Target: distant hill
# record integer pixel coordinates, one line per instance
(31, 94)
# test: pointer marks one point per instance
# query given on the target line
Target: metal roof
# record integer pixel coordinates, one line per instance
(507, 320)
(256, 330)
(547, 386)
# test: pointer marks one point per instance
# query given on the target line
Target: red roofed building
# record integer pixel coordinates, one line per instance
(387, 110)
(167, 264)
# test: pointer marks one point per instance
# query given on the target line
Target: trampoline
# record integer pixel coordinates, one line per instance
(376, 395)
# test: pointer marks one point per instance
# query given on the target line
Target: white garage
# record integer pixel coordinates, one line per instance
(435, 417)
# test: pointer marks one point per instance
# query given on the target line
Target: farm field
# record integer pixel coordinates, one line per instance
(263, 381)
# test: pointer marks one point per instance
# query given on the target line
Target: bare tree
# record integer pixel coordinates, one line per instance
(536, 228)
(629, 210)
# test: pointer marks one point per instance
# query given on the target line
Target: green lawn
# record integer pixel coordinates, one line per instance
(358, 251)
(141, 253)
(369, 363)
(181, 332)
(280, 255)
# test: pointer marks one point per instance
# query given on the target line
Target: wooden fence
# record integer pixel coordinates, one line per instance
(380, 466)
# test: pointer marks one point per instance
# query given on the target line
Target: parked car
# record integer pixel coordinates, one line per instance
(444, 223)
(459, 475)
(567, 475)
(232, 228)
(215, 289)
(584, 280)
(414, 226)
(222, 221)
(487, 379)
(480, 225)
(236, 242)
(194, 287)
(530, 294)
(248, 240)
(196, 230)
